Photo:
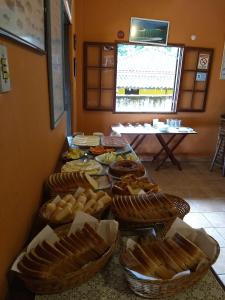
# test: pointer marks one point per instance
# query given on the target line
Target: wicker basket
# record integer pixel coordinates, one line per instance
(162, 225)
(54, 224)
(157, 289)
(69, 280)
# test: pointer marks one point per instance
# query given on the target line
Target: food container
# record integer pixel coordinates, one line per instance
(58, 284)
(158, 289)
(161, 225)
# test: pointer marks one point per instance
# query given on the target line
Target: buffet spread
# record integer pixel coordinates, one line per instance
(103, 202)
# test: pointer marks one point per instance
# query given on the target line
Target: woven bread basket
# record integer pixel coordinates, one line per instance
(72, 279)
(158, 289)
(67, 220)
(161, 225)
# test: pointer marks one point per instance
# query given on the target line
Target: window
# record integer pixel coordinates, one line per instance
(147, 78)
(140, 78)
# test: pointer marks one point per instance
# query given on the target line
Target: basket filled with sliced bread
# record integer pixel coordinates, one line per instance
(63, 208)
(161, 268)
(58, 260)
(69, 181)
(156, 210)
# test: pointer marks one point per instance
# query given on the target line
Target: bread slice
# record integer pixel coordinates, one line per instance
(133, 263)
(196, 253)
(30, 273)
(166, 258)
(180, 253)
(97, 239)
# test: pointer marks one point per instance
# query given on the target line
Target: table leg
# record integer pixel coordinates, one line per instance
(140, 140)
(167, 143)
(134, 140)
(169, 151)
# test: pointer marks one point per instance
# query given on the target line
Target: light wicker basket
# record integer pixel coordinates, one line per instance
(54, 224)
(157, 289)
(161, 225)
(72, 279)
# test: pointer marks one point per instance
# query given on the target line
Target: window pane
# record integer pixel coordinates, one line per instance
(188, 80)
(107, 97)
(93, 78)
(92, 98)
(145, 79)
(107, 78)
(93, 56)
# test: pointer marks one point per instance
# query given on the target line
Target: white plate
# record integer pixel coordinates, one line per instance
(100, 158)
(103, 181)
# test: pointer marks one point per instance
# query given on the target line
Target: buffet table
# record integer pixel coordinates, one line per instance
(110, 284)
(175, 137)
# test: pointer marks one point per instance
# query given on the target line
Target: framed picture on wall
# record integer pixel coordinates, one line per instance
(55, 60)
(222, 71)
(24, 22)
(149, 31)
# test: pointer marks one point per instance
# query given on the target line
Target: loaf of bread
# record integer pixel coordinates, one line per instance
(163, 259)
(154, 206)
(61, 182)
(70, 253)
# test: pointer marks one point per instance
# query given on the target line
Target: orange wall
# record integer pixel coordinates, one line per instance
(29, 149)
(98, 21)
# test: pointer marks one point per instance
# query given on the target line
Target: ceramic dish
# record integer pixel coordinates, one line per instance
(108, 158)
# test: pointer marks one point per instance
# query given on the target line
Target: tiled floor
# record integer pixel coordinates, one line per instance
(205, 192)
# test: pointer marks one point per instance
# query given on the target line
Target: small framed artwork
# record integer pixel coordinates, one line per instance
(149, 31)
(55, 60)
(222, 71)
(203, 61)
(24, 22)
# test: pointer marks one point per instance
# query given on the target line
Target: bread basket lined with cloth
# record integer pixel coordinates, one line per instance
(58, 260)
(161, 268)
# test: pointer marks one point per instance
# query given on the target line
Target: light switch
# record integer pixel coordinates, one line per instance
(5, 85)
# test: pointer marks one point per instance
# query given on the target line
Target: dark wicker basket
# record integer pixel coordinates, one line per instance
(72, 279)
(162, 225)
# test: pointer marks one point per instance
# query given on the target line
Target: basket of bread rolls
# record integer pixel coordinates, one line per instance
(161, 268)
(62, 208)
(156, 210)
(68, 256)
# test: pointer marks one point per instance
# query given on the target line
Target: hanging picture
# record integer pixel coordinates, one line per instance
(222, 72)
(149, 31)
(203, 61)
(23, 21)
(55, 59)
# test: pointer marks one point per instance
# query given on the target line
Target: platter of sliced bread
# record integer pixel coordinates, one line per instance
(163, 259)
(142, 208)
(70, 253)
(57, 260)
(158, 268)
(70, 181)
